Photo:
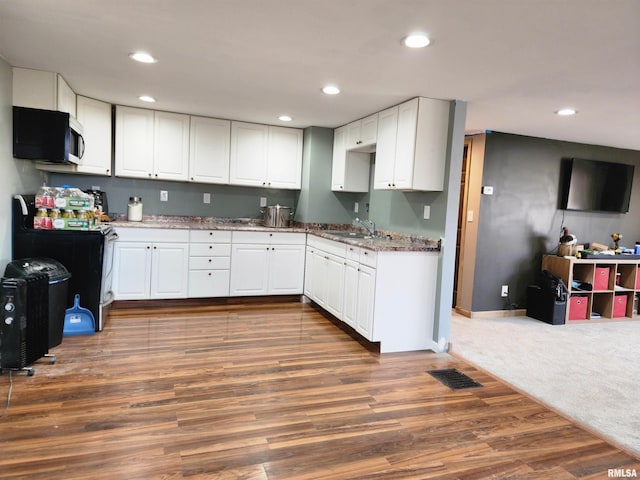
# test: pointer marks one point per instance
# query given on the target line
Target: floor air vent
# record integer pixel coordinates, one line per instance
(454, 379)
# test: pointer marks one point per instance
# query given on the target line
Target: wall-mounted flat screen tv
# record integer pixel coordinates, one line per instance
(596, 186)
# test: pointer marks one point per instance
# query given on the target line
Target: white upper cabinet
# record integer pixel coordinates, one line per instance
(284, 160)
(95, 118)
(265, 156)
(411, 146)
(171, 146)
(151, 144)
(209, 150)
(362, 134)
(40, 89)
(349, 170)
(248, 164)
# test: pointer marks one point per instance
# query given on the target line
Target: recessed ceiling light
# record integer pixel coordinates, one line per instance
(285, 118)
(331, 90)
(142, 57)
(147, 98)
(416, 40)
(565, 112)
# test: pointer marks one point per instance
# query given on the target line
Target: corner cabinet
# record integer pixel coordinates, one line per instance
(615, 287)
(41, 89)
(151, 144)
(265, 156)
(349, 169)
(411, 146)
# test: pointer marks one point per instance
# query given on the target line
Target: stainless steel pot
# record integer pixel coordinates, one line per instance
(277, 216)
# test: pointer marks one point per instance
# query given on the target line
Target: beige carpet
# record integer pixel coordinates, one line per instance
(589, 372)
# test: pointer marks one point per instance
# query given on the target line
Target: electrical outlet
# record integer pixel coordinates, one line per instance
(426, 214)
(164, 196)
(263, 201)
(206, 198)
(505, 291)
(356, 207)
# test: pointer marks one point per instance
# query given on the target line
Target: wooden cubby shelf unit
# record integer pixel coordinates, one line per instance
(615, 282)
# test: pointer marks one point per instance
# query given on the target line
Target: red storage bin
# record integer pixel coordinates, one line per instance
(601, 278)
(578, 307)
(619, 306)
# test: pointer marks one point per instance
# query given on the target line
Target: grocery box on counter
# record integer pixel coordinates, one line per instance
(48, 223)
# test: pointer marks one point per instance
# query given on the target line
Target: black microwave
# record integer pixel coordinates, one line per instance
(46, 135)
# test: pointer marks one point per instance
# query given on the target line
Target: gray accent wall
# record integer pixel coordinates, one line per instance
(521, 222)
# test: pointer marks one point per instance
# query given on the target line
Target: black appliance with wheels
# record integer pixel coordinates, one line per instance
(87, 255)
(24, 327)
(58, 277)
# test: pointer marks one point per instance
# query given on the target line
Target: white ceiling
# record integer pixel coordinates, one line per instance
(514, 61)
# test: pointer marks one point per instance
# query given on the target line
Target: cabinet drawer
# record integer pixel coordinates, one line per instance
(208, 283)
(329, 246)
(210, 236)
(210, 249)
(280, 238)
(154, 235)
(353, 253)
(209, 263)
(368, 257)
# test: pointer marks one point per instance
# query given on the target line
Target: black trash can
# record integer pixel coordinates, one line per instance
(58, 285)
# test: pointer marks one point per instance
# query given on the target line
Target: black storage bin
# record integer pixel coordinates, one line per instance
(547, 301)
(58, 284)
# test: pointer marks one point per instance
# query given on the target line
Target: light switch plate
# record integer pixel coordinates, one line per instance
(164, 196)
(206, 198)
(263, 201)
(356, 207)
(488, 190)
(427, 212)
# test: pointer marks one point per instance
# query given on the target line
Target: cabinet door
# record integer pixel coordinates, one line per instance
(95, 117)
(209, 150)
(338, 160)
(286, 269)
(208, 283)
(319, 278)
(170, 146)
(34, 88)
(406, 144)
(284, 167)
(353, 134)
(249, 270)
(386, 149)
(66, 97)
(369, 130)
(350, 170)
(350, 293)
(308, 272)
(131, 270)
(365, 301)
(134, 142)
(248, 162)
(334, 282)
(169, 270)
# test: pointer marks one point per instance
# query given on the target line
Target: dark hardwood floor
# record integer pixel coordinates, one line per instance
(272, 391)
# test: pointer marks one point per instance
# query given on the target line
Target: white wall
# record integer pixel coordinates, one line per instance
(16, 176)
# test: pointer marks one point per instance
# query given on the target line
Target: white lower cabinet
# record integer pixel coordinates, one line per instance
(265, 263)
(145, 268)
(209, 263)
(388, 296)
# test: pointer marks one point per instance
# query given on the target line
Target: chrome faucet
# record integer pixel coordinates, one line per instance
(368, 224)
